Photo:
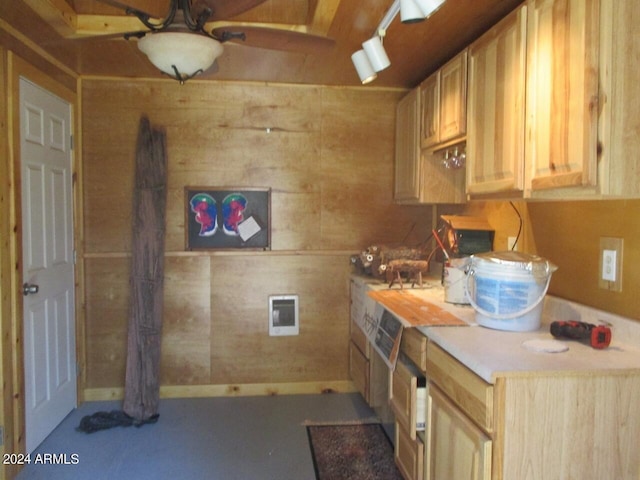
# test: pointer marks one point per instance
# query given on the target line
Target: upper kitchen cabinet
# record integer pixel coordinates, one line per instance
(619, 164)
(577, 86)
(431, 118)
(444, 103)
(562, 94)
(430, 111)
(495, 122)
(406, 188)
(453, 98)
(420, 175)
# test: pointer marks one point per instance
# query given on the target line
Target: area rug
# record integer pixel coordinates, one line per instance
(352, 451)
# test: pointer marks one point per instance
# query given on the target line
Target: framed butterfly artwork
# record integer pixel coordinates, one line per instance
(227, 218)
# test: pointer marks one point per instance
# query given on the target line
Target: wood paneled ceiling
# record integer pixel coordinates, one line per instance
(415, 50)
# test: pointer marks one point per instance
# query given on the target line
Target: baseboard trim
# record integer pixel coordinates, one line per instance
(231, 390)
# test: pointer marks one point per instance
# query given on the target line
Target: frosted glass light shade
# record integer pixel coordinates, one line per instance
(376, 53)
(363, 66)
(190, 53)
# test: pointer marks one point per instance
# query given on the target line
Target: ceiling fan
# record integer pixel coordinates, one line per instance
(182, 46)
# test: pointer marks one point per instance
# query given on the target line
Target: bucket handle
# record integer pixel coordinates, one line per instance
(504, 316)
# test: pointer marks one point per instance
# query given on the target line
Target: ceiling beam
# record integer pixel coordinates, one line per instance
(69, 24)
(323, 16)
(97, 25)
(57, 13)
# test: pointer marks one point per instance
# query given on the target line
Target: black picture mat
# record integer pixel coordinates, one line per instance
(258, 206)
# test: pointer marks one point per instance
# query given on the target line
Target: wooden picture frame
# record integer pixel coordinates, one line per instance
(227, 218)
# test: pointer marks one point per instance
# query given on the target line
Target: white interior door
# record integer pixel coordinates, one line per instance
(47, 261)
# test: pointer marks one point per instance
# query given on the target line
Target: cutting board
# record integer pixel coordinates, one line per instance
(416, 311)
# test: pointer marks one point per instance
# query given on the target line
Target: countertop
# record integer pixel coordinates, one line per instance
(494, 353)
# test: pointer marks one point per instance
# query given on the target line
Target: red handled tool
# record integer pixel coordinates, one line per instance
(599, 336)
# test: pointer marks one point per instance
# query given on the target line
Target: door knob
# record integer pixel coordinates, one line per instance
(29, 289)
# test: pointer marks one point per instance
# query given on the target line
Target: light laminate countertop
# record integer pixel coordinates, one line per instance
(493, 353)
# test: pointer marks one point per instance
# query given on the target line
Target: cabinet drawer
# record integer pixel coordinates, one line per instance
(359, 370)
(414, 346)
(359, 338)
(470, 393)
(409, 454)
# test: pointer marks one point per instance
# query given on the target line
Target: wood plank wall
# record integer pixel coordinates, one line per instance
(329, 162)
(6, 273)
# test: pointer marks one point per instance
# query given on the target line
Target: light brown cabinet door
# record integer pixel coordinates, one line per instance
(456, 447)
(453, 98)
(407, 162)
(495, 116)
(359, 371)
(403, 393)
(562, 93)
(408, 454)
(430, 111)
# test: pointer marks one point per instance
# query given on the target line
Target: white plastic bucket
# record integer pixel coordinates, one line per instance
(455, 281)
(507, 289)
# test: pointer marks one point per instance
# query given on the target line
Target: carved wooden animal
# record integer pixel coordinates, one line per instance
(412, 268)
(383, 255)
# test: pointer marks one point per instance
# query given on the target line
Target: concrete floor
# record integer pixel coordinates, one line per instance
(242, 438)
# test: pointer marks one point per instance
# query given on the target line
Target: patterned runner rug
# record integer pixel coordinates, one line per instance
(355, 452)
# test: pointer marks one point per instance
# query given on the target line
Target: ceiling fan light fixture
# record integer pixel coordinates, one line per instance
(410, 12)
(180, 55)
(376, 53)
(363, 67)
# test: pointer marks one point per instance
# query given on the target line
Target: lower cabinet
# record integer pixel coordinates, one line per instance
(407, 397)
(370, 376)
(359, 365)
(359, 370)
(539, 424)
(530, 425)
(456, 447)
(409, 454)
(460, 419)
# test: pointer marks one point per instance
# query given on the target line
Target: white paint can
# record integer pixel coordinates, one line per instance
(455, 281)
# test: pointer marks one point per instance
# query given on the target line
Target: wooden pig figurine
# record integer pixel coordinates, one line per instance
(412, 268)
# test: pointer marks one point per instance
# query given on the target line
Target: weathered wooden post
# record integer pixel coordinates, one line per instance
(142, 381)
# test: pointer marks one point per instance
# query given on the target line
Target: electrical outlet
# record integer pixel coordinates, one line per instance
(610, 264)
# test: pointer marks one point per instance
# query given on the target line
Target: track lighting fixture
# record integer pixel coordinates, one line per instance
(412, 11)
(376, 53)
(363, 66)
(373, 57)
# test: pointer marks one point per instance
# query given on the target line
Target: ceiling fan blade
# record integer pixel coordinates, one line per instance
(276, 39)
(226, 9)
